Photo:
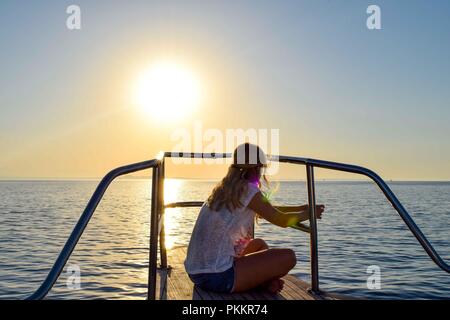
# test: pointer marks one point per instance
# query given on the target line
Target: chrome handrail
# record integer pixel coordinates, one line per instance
(389, 194)
(196, 204)
(61, 261)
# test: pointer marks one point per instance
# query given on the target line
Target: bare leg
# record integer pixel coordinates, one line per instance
(255, 269)
(255, 245)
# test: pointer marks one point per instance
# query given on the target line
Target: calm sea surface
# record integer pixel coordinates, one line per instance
(358, 230)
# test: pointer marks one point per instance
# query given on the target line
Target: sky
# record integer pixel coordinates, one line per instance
(334, 89)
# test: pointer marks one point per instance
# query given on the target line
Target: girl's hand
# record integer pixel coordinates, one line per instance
(320, 208)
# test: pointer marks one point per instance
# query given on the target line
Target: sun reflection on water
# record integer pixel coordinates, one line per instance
(172, 189)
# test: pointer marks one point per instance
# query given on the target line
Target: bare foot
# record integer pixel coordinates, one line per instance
(281, 283)
(274, 286)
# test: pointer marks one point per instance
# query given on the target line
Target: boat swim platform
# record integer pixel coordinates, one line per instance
(173, 283)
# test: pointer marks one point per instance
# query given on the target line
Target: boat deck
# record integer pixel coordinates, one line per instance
(174, 284)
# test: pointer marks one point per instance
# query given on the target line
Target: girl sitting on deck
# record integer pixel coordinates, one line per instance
(221, 255)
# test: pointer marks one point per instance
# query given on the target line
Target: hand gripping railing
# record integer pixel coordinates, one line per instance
(54, 273)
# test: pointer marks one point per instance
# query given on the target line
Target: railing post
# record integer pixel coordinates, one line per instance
(161, 213)
(153, 252)
(314, 252)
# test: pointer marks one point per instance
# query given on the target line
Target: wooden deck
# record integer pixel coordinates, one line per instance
(174, 284)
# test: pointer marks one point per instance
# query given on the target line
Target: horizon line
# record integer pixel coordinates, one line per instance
(49, 179)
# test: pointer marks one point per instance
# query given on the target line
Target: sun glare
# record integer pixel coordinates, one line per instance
(168, 91)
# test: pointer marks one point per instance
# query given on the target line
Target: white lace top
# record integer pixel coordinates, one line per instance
(219, 236)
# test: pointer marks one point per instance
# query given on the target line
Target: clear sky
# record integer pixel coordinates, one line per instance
(312, 69)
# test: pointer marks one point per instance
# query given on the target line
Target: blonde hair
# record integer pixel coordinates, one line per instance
(228, 192)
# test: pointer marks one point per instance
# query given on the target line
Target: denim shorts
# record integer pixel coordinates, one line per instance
(222, 282)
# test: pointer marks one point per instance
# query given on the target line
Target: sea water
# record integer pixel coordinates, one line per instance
(359, 231)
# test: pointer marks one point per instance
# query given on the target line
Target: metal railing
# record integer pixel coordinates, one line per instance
(83, 221)
(158, 210)
(389, 194)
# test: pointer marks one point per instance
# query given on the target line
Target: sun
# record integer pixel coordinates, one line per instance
(168, 91)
